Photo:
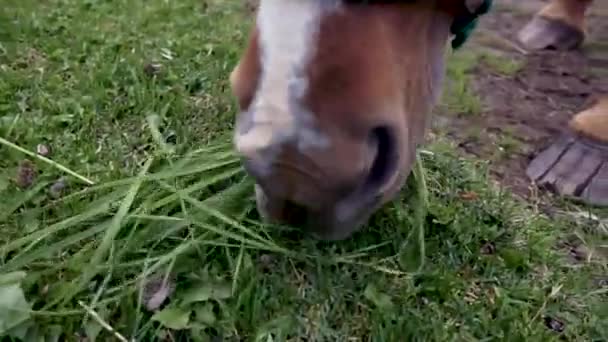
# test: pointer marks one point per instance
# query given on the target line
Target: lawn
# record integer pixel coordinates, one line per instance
(125, 215)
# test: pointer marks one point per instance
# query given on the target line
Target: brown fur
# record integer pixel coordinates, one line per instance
(375, 66)
(244, 77)
(374, 76)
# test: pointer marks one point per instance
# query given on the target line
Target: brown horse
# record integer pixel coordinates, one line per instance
(334, 99)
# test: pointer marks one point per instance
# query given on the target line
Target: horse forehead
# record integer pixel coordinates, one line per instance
(292, 23)
(287, 37)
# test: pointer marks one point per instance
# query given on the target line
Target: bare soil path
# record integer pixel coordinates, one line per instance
(526, 98)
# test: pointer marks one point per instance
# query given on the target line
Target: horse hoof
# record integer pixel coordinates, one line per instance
(575, 167)
(546, 33)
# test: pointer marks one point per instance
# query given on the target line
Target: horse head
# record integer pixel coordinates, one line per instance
(334, 98)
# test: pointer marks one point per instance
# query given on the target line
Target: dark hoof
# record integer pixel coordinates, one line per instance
(545, 33)
(575, 167)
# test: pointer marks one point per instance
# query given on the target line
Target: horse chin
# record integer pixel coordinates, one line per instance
(333, 223)
(351, 214)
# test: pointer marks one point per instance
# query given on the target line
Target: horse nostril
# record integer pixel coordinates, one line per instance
(384, 144)
(294, 213)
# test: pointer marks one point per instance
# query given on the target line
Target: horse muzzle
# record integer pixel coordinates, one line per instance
(304, 191)
(333, 222)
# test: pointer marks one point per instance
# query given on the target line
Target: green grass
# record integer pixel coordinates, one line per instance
(459, 97)
(503, 65)
(170, 218)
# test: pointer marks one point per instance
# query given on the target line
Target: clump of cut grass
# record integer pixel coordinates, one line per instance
(186, 223)
(133, 228)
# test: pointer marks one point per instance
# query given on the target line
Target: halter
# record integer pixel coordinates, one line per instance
(462, 27)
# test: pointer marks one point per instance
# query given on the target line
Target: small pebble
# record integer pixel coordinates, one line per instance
(602, 282)
(157, 291)
(266, 261)
(152, 69)
(579, 253)
(58, 188)
(45, 290)
(554, 324)
(488, 248)
(43, 150)
(171, 138)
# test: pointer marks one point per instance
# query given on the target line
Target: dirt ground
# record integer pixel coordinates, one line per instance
(523, 111)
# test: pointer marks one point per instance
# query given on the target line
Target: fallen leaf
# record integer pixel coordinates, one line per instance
(92, 328)
(204, 314)
(11, 278)
(164, 335)
(173, 318)
(30, 221)
(379, 299)
(26, 174)
(555, 290)
(167, 54)
(4, 182)
(54, 333)
(23, 331)
(14, 308)
(514, 259)
(204, 291)
(469, 196)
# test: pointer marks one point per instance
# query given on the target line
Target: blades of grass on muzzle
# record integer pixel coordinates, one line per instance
(412, 250)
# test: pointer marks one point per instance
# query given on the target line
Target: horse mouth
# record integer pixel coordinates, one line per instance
(331, 223)
(299, 196)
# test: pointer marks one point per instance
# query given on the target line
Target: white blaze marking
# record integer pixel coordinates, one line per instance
(288, 31)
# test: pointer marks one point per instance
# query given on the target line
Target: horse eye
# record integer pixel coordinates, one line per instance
(383, 142)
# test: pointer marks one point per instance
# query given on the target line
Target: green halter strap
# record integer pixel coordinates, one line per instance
(463, 26)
